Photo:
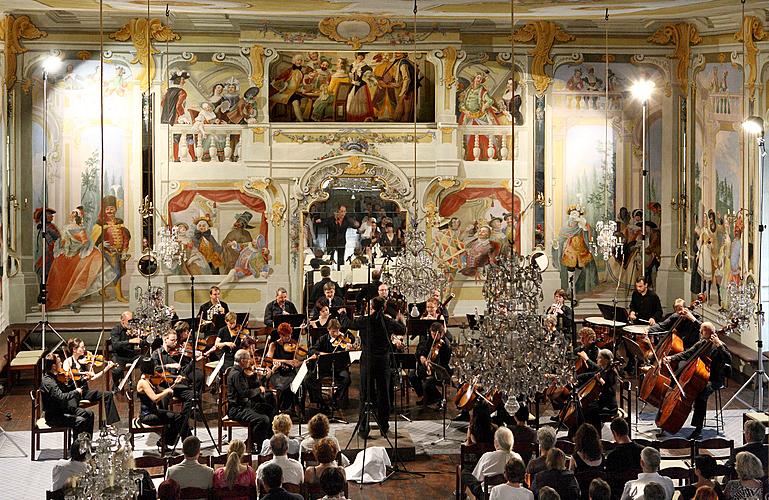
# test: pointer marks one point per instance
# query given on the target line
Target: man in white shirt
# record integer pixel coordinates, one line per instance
(492, 463)
(293, 472)
(65, 469)
(189, 473)
(650, 464)
(513, 489)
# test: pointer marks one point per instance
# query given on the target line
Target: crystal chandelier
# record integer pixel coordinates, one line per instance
(152, 317)
(607, 243)
(169, 248)
(108, 474)
(742, 305)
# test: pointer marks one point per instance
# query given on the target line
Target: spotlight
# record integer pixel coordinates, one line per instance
(642, 90)
(51, 64)
(753, 125)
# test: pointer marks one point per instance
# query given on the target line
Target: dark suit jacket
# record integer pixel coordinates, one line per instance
(758, 449)
(317, 290)
(281, 494)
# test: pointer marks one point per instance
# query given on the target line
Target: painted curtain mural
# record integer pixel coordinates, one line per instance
(716, 232)
(476, 226)
(587, 157)
(350, 87)
(79, 217)
(224, 232)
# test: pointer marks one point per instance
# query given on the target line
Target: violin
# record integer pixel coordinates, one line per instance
(296, 348)
(96, 361)
(64, 376)
(343, 342)
(162, 377)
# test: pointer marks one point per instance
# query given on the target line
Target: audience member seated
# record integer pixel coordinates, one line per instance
(325, 451)
(706, 493)
(491, 462)
(481, 429)
(272, 479)
(332, 482)
(546, 439)
(548, 493)
(754, 434)
(514, 488)
(281, 423)
(318, 428)
(650, 465)
(599, 490)
(557, 477)
(705, 471)
(588, 454)
(168, 490)
(234, 473)
(293, 472)
(189, 473)
(65, 469)
(626, 454)
(522, 433)
(147, 487)
(748, 484)
(654, 491)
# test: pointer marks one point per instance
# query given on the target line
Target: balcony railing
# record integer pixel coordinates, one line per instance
(205, 143)
(486, 143)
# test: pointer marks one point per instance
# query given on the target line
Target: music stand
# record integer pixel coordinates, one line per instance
(441, 375)
(402, 359)
(327, 362)
(419, 327)
(295, 320)
(612, 313)
(296, 387)
(316, 333)
(472, 323)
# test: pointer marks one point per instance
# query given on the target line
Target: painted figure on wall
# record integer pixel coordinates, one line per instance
(206, 243)
(239, 234)
(45, 240)
(253, 260)
(359, 107)
(480, 251)
(323, 107)
(116, 239)
(174, 101)
(573, 252)
(194, 262)
(286, 88)
(476, 107)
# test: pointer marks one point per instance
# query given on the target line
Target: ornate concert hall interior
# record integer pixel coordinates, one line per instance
(429, 229)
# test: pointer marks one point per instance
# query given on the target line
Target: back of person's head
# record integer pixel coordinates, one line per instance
(587, 441)
(168, 490)
(748, 466)
(555, 460)
(503, 439)
(377, 304)
(654, 491)
(272, 476)
(279, 444)
(376, 274)
(325, 271)
(318, 426)
(146, 366)
(705, 493)
(232, 467)
(548, 493)
(77, 452)
(318, 253)
(619, 427)
(281, 423)
(546, 438)
(650, 459)
(325, 450)
(755, 432)
(515, 470)
(599, 490)
(522, 414)
(706, 465)
(332, 481)
(191, 447)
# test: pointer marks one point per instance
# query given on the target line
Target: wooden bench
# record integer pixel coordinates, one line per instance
(20, 361)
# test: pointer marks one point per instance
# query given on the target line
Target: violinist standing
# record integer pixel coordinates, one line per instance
(77, 349)
(152, 414)
(60, 401)
(123, 346)
(331, 342)
(605, 405)
(719, 356)
(432, 349)
(245, 403)
(283, 353)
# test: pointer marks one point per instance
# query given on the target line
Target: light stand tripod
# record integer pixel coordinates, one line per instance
(444, 379)
(759, 376)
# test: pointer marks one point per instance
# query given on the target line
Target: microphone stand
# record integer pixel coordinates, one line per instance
(573, 313)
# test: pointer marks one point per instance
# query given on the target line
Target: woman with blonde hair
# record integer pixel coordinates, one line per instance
(281, 423)
(749, 471)
(234, 473)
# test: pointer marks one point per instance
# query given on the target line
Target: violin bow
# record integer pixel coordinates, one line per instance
(242, 325)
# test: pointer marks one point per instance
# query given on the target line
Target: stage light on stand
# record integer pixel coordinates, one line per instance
(753, 125)
(642, 90)
(51, 64)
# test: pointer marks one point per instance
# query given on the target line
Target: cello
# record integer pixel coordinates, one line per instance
(657, 380)
(692, 379)
(586, 394)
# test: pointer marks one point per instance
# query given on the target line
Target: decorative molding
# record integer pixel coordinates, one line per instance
(662, 64)
(449, 56)
(278, 212)
(355, 34)
(355, 166)
(256, 57)
(12, 31)
(141, 34)
(683, 36)
(83, 55)
(544, 34)
(752, 31)
(354, 135)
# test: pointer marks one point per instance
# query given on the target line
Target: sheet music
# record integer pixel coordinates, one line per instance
(215, 373)
(128, 374)
(300, 374)
(355, 356)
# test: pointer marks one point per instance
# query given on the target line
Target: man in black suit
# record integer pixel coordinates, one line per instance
(214, 311)
(325, 345)
(755, 437)
(281, 305)
(60, 403)
(329, 299)
(337, 227)
(688, 328)
(317, 288)
(123, 347)
(272, 479)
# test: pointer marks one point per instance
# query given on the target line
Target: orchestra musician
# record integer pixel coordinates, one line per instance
(123, 347)
(644, 303)
(606, 403)
(247, 402)
(278, 307)
(719, 356)
(432, 350)
(209, 311)
(60, 401)
(171, 359)
(588, 353)
(432, 307)
(317, 288)
(563, 313)
(688, 328)
(283, 353)
(152, 414)
(375, 330)
(226, 339)
(329, 298)
(73, 363)
(257, 375)
(324, 316)
(331, 342)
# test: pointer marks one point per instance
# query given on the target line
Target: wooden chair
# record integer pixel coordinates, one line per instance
(645, 442)
(222, 460)
(468, 459)
(224, 420)
(526, 450)
(717, 444)
(135, 426)
(234, 492)
(85, 403)
(20, 361)
(39, 426)
(679, 450)
(625, 409)
(565, 446)
(189, 493)
(491, 481)
(151, 462)
(681, 474)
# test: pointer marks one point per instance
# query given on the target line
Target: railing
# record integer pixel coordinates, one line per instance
(726, 105)
(205, 143)
(587, 99)
(486, 143)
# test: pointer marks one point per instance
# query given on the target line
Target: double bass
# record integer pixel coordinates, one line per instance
(692, 379)
(657, 380)
(586, 394)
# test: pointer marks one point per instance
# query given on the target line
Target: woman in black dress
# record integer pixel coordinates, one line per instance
(283, 353)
